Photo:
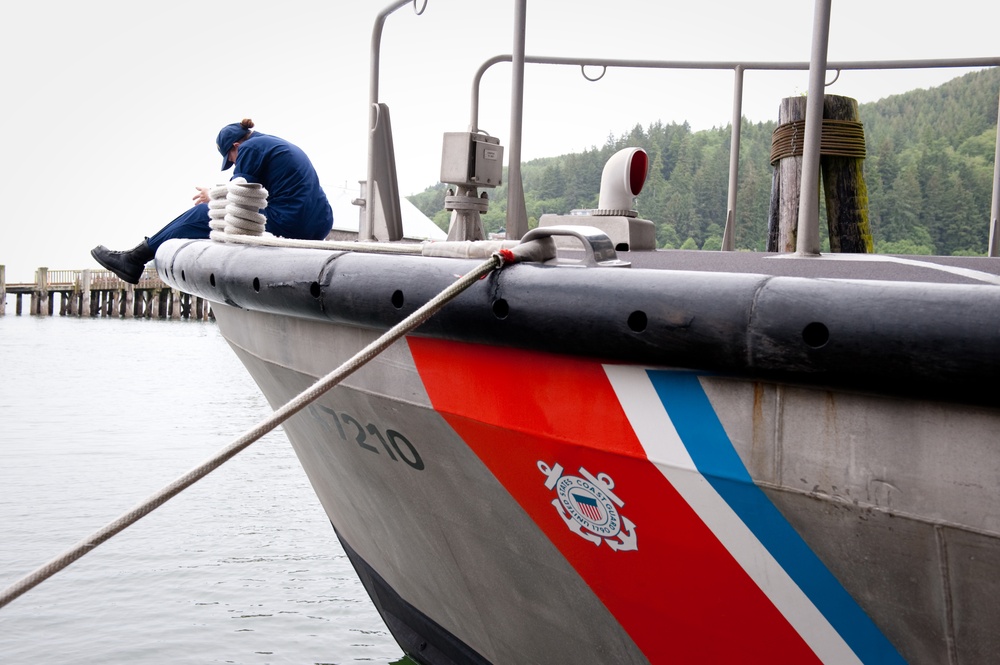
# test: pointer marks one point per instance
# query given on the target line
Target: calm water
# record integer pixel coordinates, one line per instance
(243, 567)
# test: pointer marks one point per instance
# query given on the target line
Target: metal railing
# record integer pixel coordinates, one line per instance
(818, 66)
(73, 280)
(739, 68)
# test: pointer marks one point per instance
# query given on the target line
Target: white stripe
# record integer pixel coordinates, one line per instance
(665, 449)
(978, 275)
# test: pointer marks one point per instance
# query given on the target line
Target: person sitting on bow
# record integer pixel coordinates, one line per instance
(297, 206)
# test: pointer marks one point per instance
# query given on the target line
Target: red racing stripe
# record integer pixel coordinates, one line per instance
(679, 595)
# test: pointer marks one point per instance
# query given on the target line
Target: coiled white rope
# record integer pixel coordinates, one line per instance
(217, 207)
(298, 403)
(234, 217)
(244, 201)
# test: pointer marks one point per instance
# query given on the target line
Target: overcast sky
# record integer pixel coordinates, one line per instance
(111, 107)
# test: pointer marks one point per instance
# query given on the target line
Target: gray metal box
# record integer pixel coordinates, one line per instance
(471, 159)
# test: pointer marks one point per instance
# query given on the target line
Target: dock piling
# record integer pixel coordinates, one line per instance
(842, 153)
(42, 302)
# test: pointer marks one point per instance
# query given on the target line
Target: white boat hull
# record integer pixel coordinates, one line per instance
(753, 520)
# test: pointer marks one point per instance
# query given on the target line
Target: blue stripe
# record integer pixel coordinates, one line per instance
(715, 458)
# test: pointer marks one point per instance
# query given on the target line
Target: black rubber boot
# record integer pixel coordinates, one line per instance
(127, 265)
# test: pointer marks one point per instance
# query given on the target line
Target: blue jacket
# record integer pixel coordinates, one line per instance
(297, 206)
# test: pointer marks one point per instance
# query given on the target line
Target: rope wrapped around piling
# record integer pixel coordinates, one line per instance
(840, 138)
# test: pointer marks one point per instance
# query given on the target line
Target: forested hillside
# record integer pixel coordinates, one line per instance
(929, 172)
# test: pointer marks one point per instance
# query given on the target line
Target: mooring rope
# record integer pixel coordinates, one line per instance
(839, 138)
(299, 402)
(334, 245)
(234, 208)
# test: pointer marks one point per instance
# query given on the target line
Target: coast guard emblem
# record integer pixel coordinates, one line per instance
(589, 507)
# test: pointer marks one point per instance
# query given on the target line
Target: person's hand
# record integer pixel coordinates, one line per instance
(201, 196)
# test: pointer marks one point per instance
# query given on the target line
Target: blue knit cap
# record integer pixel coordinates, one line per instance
(229, 135)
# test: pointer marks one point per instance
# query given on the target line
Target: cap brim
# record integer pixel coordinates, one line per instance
(226, 164)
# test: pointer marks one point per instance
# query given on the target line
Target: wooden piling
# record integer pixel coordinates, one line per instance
(844, 181)
(3, 290)
(175, 304)
(842, 151)
(786, 180)
(85, 280)
(43, 291)
(129, 309)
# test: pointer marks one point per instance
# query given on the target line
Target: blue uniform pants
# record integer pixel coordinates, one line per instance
(194, 224)
(191, 224)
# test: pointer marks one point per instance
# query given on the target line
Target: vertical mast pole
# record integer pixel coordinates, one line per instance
(517, 216)
(729, 234)
(807, 241)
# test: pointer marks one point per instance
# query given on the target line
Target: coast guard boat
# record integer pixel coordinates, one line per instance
(612, 453)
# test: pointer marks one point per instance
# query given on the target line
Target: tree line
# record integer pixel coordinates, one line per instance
(929, 173)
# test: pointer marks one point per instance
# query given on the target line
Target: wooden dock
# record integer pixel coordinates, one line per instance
(101, 293)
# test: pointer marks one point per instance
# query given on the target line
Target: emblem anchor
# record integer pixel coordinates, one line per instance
(589, 507)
